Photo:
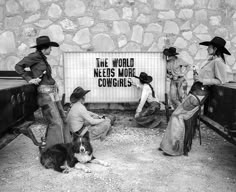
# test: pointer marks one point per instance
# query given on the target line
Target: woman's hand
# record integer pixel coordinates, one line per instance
(35, 81)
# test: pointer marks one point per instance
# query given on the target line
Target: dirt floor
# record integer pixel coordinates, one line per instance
(136, 164)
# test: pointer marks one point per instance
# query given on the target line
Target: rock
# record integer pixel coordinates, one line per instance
(222, 32)
(187, 35)
(201, 54)
(121, 27)
(131, 47)
(154, 27)
(201, 29)
(67, 24)
(122, 41)
(203, 37)
(2, 16)
(166, 15)
(163, 5)
(85, 21)
(184, 3)
(137, 34)
(109, 15)
(43, 23)
(234, 41)
(33, 18)
(100, 27)
(30, 5)
(23, 50)
(135, 12)
(153, 48)
(185, 14)
(171, 27)
(74, 8)
(231, 3)
(103, 42)
(201, 15)
(201, 4)
(12, 7)
(186, 57)
(145, 9)
(54, 11)
(185, 26)
(230, 60)
(82, 36)
(180, 43)
(193, 49)
(214, 4)
(10, 62)
(215, 20)
(161, 43)
(7, 42)
(148, 39)
(55, 33)
(13, 22)
(127, 13)
(29, 32)
(68, 48)
(143, 19)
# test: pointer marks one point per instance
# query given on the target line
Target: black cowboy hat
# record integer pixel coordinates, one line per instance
(143, 77)
(170, 52)
(217, 42)
(44, 40)
(77, 94)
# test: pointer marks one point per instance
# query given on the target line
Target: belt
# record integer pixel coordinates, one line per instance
(47, 89)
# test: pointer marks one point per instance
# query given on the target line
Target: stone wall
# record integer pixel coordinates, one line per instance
(115, 25)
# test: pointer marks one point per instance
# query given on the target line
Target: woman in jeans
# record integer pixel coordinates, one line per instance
(48, 98)
(178, 136)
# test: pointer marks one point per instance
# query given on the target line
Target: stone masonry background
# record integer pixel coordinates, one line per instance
(115, 25)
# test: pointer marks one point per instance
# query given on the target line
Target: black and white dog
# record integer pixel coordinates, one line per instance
(64, 157)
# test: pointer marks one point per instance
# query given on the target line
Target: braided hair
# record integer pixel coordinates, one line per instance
(153, 92)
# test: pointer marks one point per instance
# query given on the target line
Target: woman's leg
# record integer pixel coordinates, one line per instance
(100, 130)
(174, 94)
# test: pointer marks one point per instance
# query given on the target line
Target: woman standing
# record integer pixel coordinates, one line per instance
(178, 136)
(147, 111)
(48, 98)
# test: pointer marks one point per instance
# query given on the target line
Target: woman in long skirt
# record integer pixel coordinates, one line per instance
(178, 136)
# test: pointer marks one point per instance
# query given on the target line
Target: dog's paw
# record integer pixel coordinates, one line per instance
(66, 170)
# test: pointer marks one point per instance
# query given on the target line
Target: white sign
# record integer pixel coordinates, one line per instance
(108, 75)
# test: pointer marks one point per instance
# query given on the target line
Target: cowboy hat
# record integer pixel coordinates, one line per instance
(217, 42)
(143, 77)
(77, 94)
(44, 40)
(170, 52)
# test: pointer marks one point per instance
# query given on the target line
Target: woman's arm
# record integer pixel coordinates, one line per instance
(87, 116)
(144, 96)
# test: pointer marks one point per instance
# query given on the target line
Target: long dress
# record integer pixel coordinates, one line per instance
(213, 72)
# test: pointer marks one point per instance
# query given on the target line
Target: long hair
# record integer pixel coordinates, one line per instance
(153, 92)
(219, 53)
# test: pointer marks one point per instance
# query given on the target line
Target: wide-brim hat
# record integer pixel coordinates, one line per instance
(170, 52)
(44, 41)
(77, 94)
(144, 77)
(217, 42)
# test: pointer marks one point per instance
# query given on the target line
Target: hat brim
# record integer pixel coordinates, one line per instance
(75, 97)
(52, 44)
(148, 80)
(167, 53)
(223, 49)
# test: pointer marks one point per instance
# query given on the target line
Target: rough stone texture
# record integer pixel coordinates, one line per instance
(43, 23)
(109, 15)
(74, 8)
(186, 57)
(30, 5)
(148, 39)
(201, 54)
(184, 3)
(33, 18)
(127, 13)
(143, 19)
(12, 7)
(137, 35)
(55, 33)
(67, 47)
(54, 11)
(215, 20)
(187, 35)
(193, 49)
(201, 15)
(154, 27)
(85, 21)
(201, 29)
(100, 27)
(153, 48)
(82, 36)
(185, 26)
(103, 42)
(13, 22)
(131, 47)
(166, 15)
(180, 43)
(67, 24)
(185, 14)
(162, 5)
(7, 42)
(122, 41)
(171, 27)
(121, 27)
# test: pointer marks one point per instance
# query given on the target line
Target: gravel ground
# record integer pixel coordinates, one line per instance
(136, 164)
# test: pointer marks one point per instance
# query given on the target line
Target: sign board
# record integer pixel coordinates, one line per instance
(108, 74)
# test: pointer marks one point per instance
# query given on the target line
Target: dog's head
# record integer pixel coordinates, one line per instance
(81, 144)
